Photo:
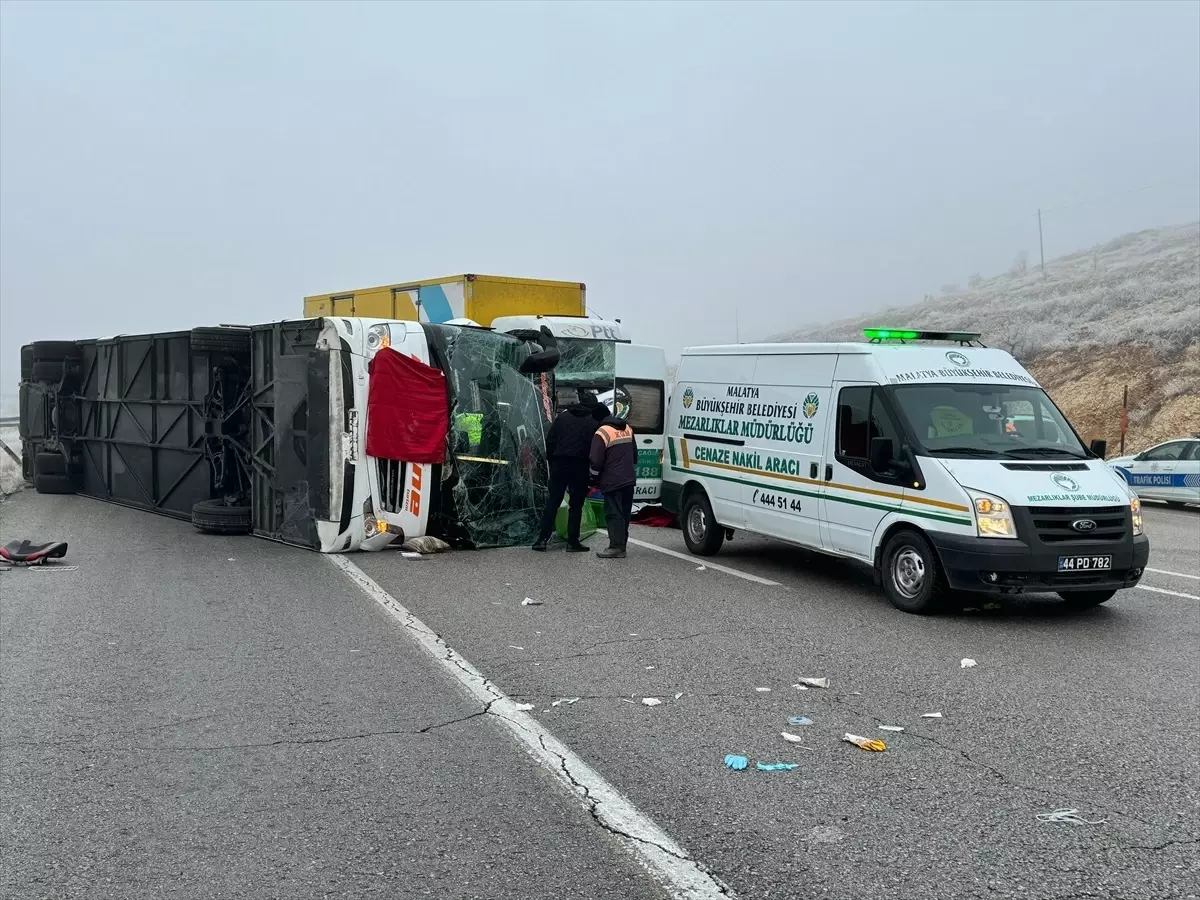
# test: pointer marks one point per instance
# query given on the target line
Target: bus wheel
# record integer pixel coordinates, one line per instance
(701, 532)
(912, 574)
(214, 517)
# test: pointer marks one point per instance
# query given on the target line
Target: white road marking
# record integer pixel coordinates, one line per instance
(711, 565)
(1174, 574)
(667, 861)
(1146, 587)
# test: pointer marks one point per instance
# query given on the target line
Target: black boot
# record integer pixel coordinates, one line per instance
(539, 545)
(577, 547)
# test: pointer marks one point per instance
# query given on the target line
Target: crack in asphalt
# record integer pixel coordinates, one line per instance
(593, 808)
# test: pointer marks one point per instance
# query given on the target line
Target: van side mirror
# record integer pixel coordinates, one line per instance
(1099, 447)
(883, 451)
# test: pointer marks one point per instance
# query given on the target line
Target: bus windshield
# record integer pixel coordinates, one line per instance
(498, 481)
(987, 421)
(586, 366)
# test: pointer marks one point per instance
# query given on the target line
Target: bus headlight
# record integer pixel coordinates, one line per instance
(378, 337)
(1135, 510)
(993, 517)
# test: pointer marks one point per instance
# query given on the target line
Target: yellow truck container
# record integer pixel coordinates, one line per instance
(477, 297)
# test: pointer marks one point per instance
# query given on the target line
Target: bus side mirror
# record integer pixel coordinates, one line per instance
(1099, 448)
(882, 453)
(543, 360)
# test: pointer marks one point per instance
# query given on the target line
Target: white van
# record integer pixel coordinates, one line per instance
(631, 379)
(944, 468)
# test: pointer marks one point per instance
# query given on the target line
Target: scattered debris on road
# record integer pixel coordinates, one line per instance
(411, 554)
(968, 664)
(529, 601)
(425, 544)
(523, 707)
(1068, 817)
(566, 700)
(891, 727)
(735, 762)
(680, 694)
(515, 647)
(763, 690)
(873, 744)
(813, 682)
(776, 767)
(794, 739)
(651, 701)
(931, 715)
(799, 720)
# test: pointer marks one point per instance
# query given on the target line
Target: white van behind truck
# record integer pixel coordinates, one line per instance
(946, 467)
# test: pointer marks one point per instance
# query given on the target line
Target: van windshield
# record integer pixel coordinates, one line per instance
(987, 421)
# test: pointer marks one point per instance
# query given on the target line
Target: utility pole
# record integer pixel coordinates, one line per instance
(1041, 245)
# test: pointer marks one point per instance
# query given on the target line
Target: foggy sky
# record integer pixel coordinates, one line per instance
(164, 165)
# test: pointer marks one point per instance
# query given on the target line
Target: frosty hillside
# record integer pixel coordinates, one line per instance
(1123, 312)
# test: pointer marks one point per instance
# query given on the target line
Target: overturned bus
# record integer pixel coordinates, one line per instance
(334, 434)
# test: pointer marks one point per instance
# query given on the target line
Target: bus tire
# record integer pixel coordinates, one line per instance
(1086, 599)
(48, 371)
(53, 484)
(701, 532)
(53, 351)
(221, 340)
(912, 574)
(50, 464)
(214, 517)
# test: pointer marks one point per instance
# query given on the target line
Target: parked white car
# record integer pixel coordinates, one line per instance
(1169, 471)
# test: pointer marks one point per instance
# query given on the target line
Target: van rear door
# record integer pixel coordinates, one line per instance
(640, 398)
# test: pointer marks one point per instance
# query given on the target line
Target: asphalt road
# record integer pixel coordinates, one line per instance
(179, 723)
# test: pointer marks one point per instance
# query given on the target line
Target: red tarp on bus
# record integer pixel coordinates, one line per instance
(408, 412)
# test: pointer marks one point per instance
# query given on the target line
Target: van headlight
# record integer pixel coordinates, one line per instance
(378, 337)
(993, 516)
(1135, 510)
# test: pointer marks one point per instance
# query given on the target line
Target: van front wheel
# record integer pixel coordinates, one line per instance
(912, 574)
(701, 532)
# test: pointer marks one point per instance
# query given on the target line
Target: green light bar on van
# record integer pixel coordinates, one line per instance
(876, 335)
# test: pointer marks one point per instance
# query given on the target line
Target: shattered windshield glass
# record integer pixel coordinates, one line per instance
(495, 481)
(585, 364)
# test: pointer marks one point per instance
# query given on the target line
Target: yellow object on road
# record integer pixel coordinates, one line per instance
(866, 743)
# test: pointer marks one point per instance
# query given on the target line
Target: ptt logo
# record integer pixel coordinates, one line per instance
(688, 399)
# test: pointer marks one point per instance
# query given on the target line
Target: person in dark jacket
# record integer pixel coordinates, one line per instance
(614, 470)
(568, 443)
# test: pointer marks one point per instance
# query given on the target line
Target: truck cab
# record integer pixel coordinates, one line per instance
(597, 357)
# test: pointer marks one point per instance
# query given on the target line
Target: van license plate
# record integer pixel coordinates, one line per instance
(1084, 563)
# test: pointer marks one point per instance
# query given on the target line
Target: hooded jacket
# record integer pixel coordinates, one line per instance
(614, 455)
(570, 437)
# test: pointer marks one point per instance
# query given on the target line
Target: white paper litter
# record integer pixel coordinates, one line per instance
(815, 682)
(410, 555)
(649, 668)
(680, 694)
(515, 647)
(524, 707)
(793, 739)
(567, 700)
(529, 601)
(701, 568)
(763, 690)
(800, 687)
(931, 715)
(891, 727)
(651, 701)
(968, 664)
